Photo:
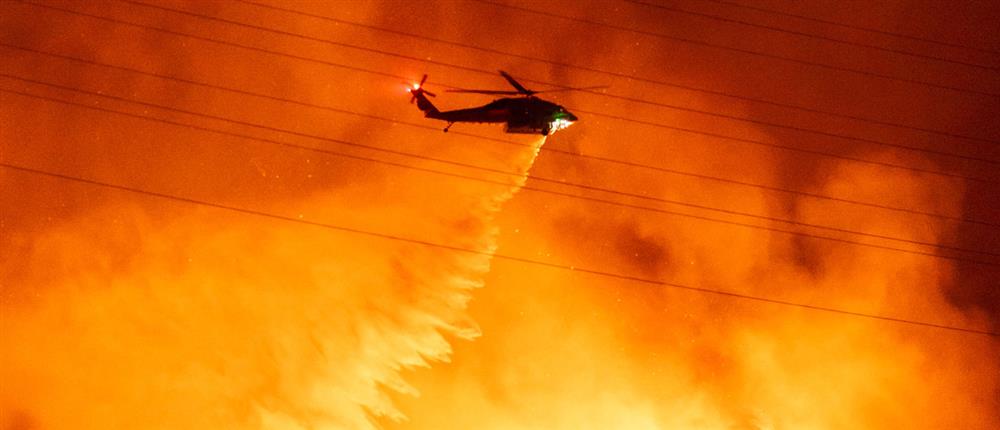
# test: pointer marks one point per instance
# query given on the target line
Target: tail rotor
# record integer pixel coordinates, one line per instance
(418, 89)
(419, 95)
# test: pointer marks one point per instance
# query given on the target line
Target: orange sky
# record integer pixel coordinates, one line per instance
(123, 310)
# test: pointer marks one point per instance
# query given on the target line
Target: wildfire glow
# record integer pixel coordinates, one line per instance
(121, 310)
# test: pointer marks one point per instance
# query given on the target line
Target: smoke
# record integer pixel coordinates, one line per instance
(195, 318)
(122, 310)
(563, 350)
(573, 351)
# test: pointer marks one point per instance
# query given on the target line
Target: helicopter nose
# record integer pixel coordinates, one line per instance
(570, 116)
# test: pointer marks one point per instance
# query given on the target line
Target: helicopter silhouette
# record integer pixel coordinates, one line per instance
(525, 114)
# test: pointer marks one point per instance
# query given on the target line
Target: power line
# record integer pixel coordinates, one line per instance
(853, 27)
(601, 94)
(795, 149)
(512, 258)
(653, 124)
(621, 75)
(426, 127)
(529, 188)
(740, 50)
(809, 35)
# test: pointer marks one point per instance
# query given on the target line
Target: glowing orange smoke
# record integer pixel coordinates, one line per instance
(121, 310)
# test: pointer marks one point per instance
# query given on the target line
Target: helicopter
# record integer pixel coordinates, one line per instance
(525, 114)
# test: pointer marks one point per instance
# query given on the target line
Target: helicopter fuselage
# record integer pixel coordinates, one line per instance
(523, 114)
(529, 115)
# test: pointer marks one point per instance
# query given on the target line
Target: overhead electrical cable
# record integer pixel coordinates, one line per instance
(740, 50)
(653, 124)
(540, 179)
(611, 202)
(597, 93)
(675, 9)
(566, 153)
(501, 256)
(622, 75)
(853, 27)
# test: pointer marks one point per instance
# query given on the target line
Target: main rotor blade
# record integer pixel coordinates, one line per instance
(505, 92)
(599, 87)
(515, 84)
